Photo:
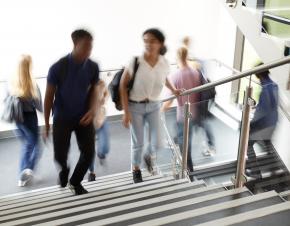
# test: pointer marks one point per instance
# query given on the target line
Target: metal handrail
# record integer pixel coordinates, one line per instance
(255, 70)
(117, 69)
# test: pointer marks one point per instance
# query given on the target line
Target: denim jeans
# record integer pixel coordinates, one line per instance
(103, 144)
(180, 127)
(144, 113)
(28, 131)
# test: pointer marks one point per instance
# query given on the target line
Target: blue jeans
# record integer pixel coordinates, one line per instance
(28, 131)
(180, 127)
(103, 143)
(144, 113)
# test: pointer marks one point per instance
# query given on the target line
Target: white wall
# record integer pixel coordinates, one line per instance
(42, 28)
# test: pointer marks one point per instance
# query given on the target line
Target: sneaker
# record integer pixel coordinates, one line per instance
(77, 189)
(148, 163)
(210, 151)
(91, 177)
(137, 176)
(102, 159)
(25, 177)
(63, 177)
(253, 174)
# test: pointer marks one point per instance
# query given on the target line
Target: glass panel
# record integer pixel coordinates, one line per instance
(214, 138)
(267, 166)
(280, 28)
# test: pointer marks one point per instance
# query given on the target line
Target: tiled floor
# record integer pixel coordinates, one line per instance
(118, 159)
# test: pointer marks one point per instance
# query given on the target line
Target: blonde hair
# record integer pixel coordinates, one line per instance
(23, 85)
(182, 54)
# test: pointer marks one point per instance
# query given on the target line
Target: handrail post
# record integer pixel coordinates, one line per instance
(244, 138)
(185, 138)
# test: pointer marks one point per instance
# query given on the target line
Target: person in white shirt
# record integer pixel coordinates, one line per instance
(142, 105)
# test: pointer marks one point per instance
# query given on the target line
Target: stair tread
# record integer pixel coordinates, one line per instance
(100, 205)
(266, 216)
(183, 216)
(65, 193)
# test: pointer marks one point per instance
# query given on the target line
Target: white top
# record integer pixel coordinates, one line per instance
(149, 81)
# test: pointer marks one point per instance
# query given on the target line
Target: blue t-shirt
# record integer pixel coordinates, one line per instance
(72, 89)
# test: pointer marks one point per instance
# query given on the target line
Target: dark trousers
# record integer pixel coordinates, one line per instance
(252, 157)
(85, 136)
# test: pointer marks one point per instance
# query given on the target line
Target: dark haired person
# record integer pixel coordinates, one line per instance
(264, 121)
(70, 93)
(143, 105)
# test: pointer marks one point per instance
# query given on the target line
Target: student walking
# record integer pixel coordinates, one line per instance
(142, 104)
(25, 88)
(71, 95)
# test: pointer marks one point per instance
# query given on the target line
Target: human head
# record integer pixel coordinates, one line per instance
(83, 44)
(154, 41)
(186, 41)
(182, 54)
(262, 75)
(23, 85)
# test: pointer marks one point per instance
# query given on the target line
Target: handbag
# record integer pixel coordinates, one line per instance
(13, 109)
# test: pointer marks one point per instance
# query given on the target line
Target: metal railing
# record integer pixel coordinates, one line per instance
(240, 75)
(239, 178)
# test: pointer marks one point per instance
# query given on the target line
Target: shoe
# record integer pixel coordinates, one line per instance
(210, 151)
(91, 177)
(102, 159)
(63, 177)
(137, 176)
(25, 177)
(148, 163)
(77, 189)
(255, 174)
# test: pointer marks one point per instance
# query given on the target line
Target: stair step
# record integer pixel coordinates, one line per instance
(66, 193)
(213, 212)
(145, 208)
(89, 198)
(56, 187)
(51, 213)
(277, 215)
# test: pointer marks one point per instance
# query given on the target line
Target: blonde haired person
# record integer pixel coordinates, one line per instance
(24, 87)
(185, 78)
(199, 65)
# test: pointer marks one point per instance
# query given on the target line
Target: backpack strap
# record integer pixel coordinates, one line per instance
(63, 71)
(135, 69)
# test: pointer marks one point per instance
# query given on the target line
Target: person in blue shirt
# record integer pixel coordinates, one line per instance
(71, 95)
(264, 120)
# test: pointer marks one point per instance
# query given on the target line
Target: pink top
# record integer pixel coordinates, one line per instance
(186, 78)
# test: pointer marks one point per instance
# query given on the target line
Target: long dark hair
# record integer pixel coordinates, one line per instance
(159, 36)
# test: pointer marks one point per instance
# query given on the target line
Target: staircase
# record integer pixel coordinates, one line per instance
(115, 200)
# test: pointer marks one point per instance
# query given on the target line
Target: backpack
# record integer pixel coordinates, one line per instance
(13, 109)
(114, 86)
(205, 96)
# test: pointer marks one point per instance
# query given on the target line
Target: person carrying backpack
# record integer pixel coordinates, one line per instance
(24, 88)
(185, 78)
(102, 129)
(142, 104)
(71, 95)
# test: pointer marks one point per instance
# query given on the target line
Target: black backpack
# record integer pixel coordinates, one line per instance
(114, 86)
(205, 97)
(208, 94)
